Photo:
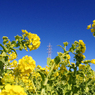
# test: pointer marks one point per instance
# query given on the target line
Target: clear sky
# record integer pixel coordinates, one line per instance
(54, 21)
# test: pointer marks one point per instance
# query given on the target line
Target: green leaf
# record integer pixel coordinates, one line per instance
(57, 59)
(13, 42)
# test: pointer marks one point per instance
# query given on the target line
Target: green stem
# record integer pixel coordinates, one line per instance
(34, 86)
(49, 74)
(46, 80)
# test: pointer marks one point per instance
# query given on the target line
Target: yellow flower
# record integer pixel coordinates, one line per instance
(93, 61)
(93, 25)
(26, 64)
(56, 74)
(24, 31)
(63, 67)
(13, 90)
(8, 87)
(81, 55)
(30, 35)
(33, 38)
(43, 69)
(83, 47)
(12, 56)
(39, 67)
(81, 42)
(47, 72)
(68, 56)
(15, 63)
(36, 43)
(92, 30)
(52, 60)
(81, 66)
(56, 67)
(30, 47)
(9, 42)
(89, 26)
(36, 37)
(93, 21)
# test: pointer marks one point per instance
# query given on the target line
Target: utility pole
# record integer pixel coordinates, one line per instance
(49, 50)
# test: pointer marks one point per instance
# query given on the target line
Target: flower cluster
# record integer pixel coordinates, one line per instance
(82, 46)
(7, 78)
(81, 66)
(65, 57)
(12, 56)
(63, 69)
(34, 40)
(56, 74)
(45, 70)
(13, 90)
(26, 65)
(25, 76)
(13, 64)
(93, 61)
(56, 67)
(93, 28)
(27, 83)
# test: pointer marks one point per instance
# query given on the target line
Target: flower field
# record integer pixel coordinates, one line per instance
(25, 78)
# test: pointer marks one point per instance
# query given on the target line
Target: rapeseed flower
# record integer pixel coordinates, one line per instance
(12, 90)
(12, 56)
(26, 64)
(93, 21)
(93, 25)
(81, 66)
(68, 56)
(89, 26)
(33, 40)
(93, 61)
(7, 78)
(93, 28)
(24, 31)
(43, 69)
(56, 74)
(83, 47)
(56, 67)
(52, 60)
(81, 55)
(63, 67)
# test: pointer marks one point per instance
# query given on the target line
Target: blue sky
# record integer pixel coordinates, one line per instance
(54, 21)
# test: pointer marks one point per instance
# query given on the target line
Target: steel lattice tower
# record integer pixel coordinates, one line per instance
(49, 50)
